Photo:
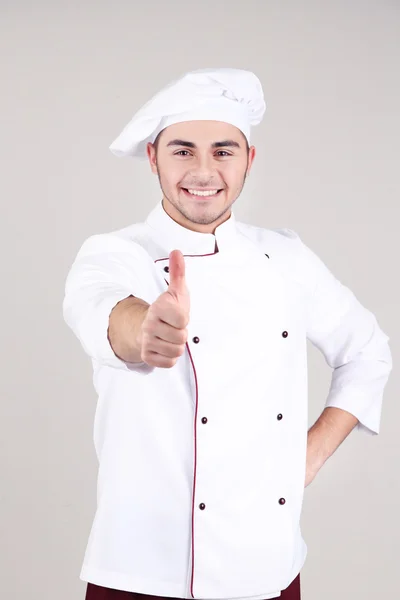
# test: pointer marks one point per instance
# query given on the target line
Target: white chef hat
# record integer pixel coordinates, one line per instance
(231, 95)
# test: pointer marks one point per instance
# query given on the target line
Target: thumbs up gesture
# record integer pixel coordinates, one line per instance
(163, 331)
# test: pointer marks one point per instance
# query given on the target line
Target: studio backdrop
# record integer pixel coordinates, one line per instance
(327, 165)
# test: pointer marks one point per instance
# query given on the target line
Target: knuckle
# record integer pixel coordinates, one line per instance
(147, 359)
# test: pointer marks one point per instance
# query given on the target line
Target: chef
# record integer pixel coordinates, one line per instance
(197, 325)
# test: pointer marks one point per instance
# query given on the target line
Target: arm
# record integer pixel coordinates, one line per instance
(113, 305)
(325, 436)
(124, 328)
(357, 350)
(154, 333)
(99, 299)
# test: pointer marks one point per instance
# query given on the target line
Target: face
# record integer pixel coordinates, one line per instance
(201, 166)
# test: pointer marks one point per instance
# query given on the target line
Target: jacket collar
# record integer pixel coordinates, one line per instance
(173, 236)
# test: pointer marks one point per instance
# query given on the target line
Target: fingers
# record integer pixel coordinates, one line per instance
(163, 331)
(164, 348)
(153, 359)
(168, 310)
(162, 353)
(177, 281)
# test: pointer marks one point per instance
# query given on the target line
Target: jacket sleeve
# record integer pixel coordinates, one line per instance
(351, 341)
(107, 269)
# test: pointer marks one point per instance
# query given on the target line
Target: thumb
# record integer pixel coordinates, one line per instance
(177, 282)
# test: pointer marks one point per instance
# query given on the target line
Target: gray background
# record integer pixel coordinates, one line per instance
(73, 73)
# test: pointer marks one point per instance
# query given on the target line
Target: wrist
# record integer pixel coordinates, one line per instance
(125, 328)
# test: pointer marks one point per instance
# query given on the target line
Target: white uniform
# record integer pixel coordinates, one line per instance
(202, 466)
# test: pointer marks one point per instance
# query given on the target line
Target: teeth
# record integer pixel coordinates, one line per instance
(203, 193)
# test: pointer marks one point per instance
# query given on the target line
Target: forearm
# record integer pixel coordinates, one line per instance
(326, 435)
(125, 323)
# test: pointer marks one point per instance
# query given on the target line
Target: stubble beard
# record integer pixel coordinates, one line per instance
(206, 218)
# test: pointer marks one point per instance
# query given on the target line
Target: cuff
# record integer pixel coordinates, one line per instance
(366, 410)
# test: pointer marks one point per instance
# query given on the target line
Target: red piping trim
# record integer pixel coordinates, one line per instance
(195, 428)
(195, 466)
(194, 432)
(195, 444)
(190, 255)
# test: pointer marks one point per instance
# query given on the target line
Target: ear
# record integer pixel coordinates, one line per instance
(252, 154)
(151, 154)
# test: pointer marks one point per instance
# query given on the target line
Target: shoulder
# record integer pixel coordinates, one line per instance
(286, 249)
(282, 240)
(126, 240)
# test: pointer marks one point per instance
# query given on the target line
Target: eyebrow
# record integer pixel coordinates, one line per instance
(222, 144)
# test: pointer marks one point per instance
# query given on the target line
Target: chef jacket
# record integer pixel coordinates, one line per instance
(202, 466)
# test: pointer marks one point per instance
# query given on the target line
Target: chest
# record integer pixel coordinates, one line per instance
(245, 312)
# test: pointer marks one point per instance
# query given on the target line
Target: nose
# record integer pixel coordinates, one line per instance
(203, 169)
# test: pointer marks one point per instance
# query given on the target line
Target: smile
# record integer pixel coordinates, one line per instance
(201, 193)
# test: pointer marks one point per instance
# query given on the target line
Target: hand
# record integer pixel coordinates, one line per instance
(163, 331)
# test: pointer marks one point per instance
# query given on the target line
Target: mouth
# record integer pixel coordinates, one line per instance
(202, 194)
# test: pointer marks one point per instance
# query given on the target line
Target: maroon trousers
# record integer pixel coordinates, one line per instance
(96, 592)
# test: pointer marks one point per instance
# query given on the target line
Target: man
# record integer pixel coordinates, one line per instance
(197, 327)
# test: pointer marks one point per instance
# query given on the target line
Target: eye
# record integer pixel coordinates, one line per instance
(222, 153)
